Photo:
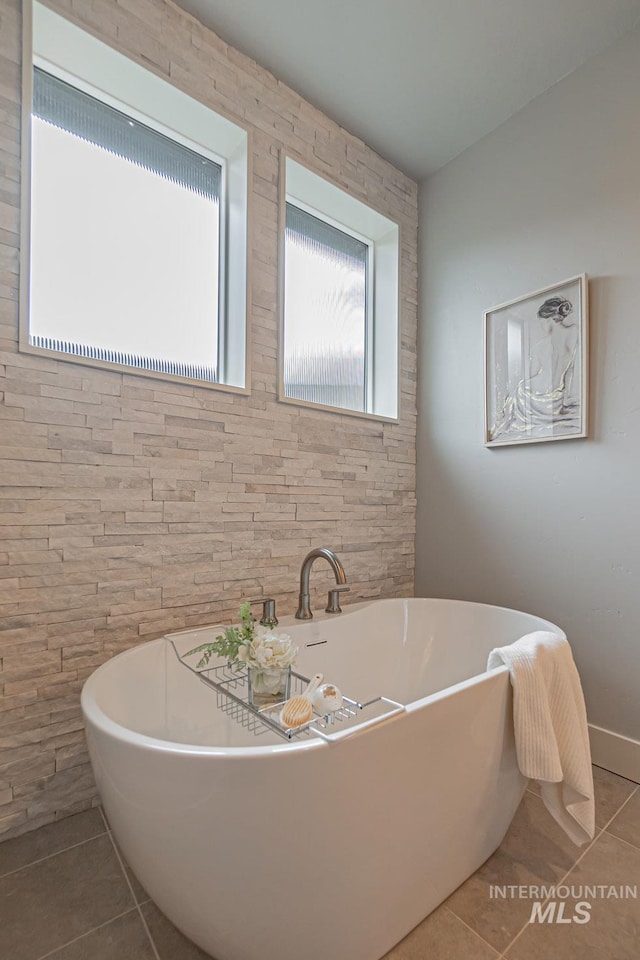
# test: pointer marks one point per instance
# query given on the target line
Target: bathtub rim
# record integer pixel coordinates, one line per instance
(95, 716)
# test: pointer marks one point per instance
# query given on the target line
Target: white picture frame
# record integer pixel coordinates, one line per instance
(536, 366)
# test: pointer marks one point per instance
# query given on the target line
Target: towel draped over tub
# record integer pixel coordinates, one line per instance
(550, 720)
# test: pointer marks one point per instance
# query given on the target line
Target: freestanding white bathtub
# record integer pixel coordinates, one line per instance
(262, 849)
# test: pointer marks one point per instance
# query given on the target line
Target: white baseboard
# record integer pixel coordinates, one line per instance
(614, 752)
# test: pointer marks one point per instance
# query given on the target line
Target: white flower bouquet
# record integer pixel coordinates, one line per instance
(268, 650)
(267, 655)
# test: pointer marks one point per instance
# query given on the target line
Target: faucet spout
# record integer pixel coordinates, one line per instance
(304, 605)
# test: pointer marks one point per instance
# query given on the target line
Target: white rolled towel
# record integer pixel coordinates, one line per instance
(550, 721)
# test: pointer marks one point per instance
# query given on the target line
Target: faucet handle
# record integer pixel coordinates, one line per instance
(268, 618)
(333, 605)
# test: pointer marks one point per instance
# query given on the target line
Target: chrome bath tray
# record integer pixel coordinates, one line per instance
(231, 686)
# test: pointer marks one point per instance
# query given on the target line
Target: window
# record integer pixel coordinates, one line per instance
(326, 276)
(124, 238)
(131, 214)
(340, 292)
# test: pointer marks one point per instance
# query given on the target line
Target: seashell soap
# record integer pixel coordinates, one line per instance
(327, 699)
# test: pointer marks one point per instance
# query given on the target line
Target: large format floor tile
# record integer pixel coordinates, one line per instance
(122, 939)
(534, 851)
(44, 842)
(140, 894)
(442, 936)
(610, 793)
(612, 931)
(627, 823)
(170, 943)
(65, 894)
(53, 901)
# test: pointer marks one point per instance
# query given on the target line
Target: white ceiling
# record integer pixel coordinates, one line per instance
(419, 80)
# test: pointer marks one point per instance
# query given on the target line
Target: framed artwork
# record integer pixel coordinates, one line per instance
(536, 370)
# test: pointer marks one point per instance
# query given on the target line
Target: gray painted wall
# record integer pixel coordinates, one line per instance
(550, 528)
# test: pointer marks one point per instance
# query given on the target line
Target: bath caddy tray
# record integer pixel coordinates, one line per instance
(232, 689)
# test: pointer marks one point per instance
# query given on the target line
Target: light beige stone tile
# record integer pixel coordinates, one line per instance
(117, 443)
(58, 792)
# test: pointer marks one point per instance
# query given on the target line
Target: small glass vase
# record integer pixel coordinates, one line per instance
(267, 687)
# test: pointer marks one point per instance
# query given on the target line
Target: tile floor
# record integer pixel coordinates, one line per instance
(66, 894)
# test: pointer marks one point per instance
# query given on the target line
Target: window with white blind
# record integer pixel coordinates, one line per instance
(135, 256)
(340, 299)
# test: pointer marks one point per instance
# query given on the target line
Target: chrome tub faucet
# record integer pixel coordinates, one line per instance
(304, 603)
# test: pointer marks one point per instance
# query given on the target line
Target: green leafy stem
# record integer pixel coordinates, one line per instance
(228, 643)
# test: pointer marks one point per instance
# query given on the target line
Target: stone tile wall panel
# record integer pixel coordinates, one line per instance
(130, 506)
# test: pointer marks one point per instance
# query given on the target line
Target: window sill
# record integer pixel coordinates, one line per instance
(133, 371)
(343, 411)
